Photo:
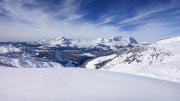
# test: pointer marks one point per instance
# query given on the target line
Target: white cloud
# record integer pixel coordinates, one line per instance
(154, 31)
(33, 24)
(37, 24)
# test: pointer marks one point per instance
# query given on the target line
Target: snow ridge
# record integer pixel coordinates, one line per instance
(169, 40)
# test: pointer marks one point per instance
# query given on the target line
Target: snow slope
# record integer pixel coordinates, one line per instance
(159, 60)
(60, 84)
(92, 64)
(169, 40)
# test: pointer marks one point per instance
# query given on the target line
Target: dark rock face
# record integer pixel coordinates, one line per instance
(132, 40)
(117, 38)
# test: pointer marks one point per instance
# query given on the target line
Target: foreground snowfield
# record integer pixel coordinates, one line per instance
(73, 84)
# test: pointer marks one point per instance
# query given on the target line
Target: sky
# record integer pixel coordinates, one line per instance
(145, 20)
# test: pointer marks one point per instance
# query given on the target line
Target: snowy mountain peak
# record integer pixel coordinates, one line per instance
(123, 40)
(169, 40)
(59, 41)
(114, 43)
(116, 38)
(99, 40)
(62, 38)
(132, 40)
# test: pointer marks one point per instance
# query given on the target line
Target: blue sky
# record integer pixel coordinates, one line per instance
(146, 20)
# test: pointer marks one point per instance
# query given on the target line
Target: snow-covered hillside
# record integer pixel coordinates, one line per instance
(27, 63)
(8, 49)
(60, 84)
(157, 60)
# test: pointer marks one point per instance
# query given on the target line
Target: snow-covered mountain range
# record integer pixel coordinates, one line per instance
(101, 43)
(121, 54)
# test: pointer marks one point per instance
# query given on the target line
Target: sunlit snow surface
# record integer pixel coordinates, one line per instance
(165, 66)
(60, 84)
